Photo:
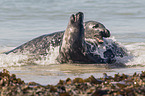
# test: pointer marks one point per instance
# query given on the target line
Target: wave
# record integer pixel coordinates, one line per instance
(20, 59)
(136, 56)
(138, 51)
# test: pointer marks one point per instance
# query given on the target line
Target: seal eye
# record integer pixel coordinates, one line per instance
(96, 26)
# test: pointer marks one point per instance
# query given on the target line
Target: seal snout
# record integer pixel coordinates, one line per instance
(102, 33)
(78, 17)
(96, 30)
(105, 33)
(72, 18)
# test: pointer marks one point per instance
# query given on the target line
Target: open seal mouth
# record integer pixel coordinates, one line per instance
(99, 40)
(102, 33)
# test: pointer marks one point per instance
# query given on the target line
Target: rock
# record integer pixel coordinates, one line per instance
(99, 92)
(93, 80)
(68, 81)
(53, 89)
(119, 85)
(64, 94)
(61, 82)
(142, 75)
(90, 91)
(78, 80)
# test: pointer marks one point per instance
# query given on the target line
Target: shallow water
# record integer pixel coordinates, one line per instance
(23, 20)
(53, 73)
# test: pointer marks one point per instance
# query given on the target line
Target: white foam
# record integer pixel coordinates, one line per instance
(50, 58)
(136, 49)
(20, 59)
(11, 60)
(107, 43)
(136, 53)
(100, 49)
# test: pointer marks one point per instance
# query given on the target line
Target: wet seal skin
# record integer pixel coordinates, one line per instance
(96, 30)
(40, 45)
(72, 43)
(74, 48)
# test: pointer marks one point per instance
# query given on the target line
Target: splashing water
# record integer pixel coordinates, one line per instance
(19, 59)
(138, 51)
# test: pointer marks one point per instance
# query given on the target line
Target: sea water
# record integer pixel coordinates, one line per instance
(23, 20)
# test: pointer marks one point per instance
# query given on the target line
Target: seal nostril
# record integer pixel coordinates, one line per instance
(79, 16)
(72, 18)
(80, 13)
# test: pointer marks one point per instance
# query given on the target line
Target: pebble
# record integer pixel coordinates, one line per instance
(119, 85)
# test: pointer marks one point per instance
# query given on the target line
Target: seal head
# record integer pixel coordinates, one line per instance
(96, 30)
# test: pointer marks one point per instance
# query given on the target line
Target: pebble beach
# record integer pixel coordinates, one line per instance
(117, 85)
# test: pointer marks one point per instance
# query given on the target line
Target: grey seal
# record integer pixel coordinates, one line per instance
(74, 48)
(73, 45)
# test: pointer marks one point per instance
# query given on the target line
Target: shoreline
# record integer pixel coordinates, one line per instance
(53, 73)
(119, 84)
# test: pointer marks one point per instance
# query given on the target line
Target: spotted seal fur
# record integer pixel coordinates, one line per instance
(74, 46)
